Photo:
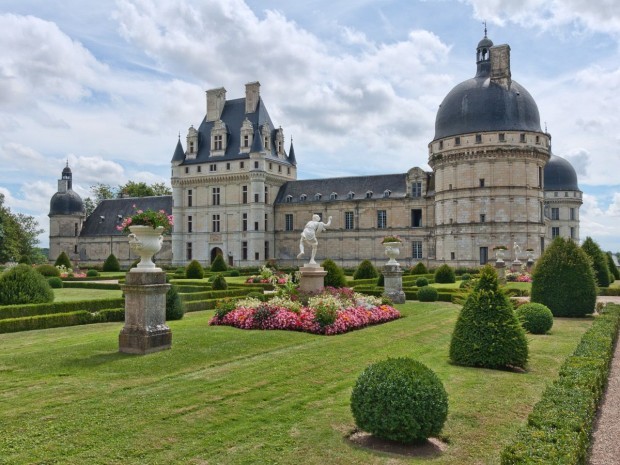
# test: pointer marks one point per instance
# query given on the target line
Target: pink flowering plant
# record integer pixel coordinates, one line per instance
(333, 311)
(268, 275)
(519, 277)
(148, 217)
(391, 238)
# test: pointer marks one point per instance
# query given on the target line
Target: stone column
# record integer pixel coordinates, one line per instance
(393, 283)
(500, 267)
(516, 265)
(145, 329)
(312, 278)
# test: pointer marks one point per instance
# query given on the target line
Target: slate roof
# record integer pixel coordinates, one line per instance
(66, 203)
(359, 185)
(109, 213)
(560, 175)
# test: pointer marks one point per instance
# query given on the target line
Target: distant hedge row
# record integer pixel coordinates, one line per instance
(26, 310)
(56, 320)
(558, 429)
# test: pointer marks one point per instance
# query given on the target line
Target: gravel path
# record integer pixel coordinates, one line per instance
(606, 436)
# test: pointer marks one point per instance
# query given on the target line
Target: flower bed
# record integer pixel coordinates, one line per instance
(517, 277)
(333, 312)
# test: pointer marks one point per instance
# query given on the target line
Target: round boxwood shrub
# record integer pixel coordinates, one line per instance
(179, 272)
(419, 268)
(23, 285)
(399, 399)
(63, 259)
(174, 304)
(445, 274)
(234, 273)
(92, 273)
(465, 277)
(487, 332)
(335, 276)
(111, 263)
(48, 270)
(421, 282)
(427, 294)
(194, 270)
(219, 264)
(366, 270)
(55, 282)
(535, 318)
(563, 280)
(219, 283)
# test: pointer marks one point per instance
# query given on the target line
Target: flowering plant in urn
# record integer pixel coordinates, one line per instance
(392, 238)
(148, 217)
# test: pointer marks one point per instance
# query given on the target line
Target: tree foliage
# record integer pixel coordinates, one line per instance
(615, 273)
(102, 191)
(599, 261)
(335, 275)
(18, 235)
(366, 270)
(22, 284)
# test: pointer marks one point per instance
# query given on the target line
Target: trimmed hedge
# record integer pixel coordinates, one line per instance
(19, 311)
(445, 274)
(427, 294)
(56, 320)
(366, 270)
(610, 291)
(214, 294)
(87, 285)
(558, 429)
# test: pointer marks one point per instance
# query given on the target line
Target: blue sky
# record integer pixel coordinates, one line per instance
(356, 83)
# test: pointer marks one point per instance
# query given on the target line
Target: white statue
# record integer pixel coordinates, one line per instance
(517, 249)
(309, 233)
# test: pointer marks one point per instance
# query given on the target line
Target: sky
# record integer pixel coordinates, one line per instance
(109, 85)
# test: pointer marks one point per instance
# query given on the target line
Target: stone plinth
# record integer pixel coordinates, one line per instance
(145, 329)
(529, 265)
(516, 265)
(393, 283)
(500, 267)
(312, 278)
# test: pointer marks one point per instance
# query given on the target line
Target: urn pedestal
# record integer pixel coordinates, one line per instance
(312, 278)
(500, 267)
(393, 283)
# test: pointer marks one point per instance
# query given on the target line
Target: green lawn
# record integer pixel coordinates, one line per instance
(71, 294)
(227, 396)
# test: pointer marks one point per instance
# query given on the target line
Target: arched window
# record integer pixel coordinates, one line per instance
(333, 196)
(369, 194)
(387, 193)
(317, 196)
(303, 197)
(351, 195)
(289, 198)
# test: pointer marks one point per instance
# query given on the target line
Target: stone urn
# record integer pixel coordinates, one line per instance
(146, 241)
(499, 255)
(392, 250)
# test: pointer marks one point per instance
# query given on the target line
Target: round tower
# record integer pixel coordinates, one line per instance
(562, 199)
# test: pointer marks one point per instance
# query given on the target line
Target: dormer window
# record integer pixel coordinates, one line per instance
(217, 142)
(303, 197)
(317, 196)
(192, 143)
(279, 142)
(333, 196)
(289, 198)
(369, 194)
(387, 193)
(219, 135)
(351, 195)
(246, 136)
(246, 141)
(266, 135)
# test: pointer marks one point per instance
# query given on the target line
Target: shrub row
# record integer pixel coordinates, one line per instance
(190, 297)
(87, 285)
(558, 429)
(19, 311)
(80, 317)
(611, 291)
(96, 278)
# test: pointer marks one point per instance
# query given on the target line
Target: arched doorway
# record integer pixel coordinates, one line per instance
(215, 252)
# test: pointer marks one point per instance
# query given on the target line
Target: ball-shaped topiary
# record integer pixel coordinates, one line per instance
(55, 282)
(219, 283)
(535, 318)
(366, 270)
(219, 264)
(174, 305)
(179, 272)
(427, 294)
(111, 263)
(465, 277)
(63, 259)
(419, 268)
(445, 274)
(599, 262)
(92, 273)
(335, 275)
(421, 281)
(194, 270)
(399, 399)
(563, 280)
(23, 285)
(234, 273)
(48, 270)
(487, 332)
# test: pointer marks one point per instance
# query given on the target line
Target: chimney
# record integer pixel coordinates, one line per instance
(252, 94)
(500, 65)
(216, 98)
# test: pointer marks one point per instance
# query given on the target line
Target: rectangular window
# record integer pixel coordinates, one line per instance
(256, 226)
(416, 247)
(189, 224)
(381, 219)
(481, 182)
(75, 229)
(241, 165)
(540, 177)
(256, 198)
(266, 222)
(452, 256)
(279, 168)
(457, 141)
(502, 137)
(186, 169)
(246, 140)
(75, 249)
(440, 145)
(555, 232)
(522, 137)
(244, 222)
(217, 142)
(212, 167)
(216, 223)
(244, 250)
(188, 251)
(572, 233)
(270, 166)
(266, 194)
(572, 214)
(288, 222)
(266, 250)
(256, 256)
(479, 140)
(348, 220)
(484, 255)
(244, 194)
(555, 213)
(483, 218)
(255, 165)
(416, 189)
(215, 195)
(227, 166)
(189, 197)
(416, 218)
(542, 245)
(199, 169)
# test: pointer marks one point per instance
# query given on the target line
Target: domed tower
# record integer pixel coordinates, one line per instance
(488, 157)
(66, 215)
(562, 199)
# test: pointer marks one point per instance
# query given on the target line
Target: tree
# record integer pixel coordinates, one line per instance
(129, 189)
(599, 262)
(18, 235)
(615, 273)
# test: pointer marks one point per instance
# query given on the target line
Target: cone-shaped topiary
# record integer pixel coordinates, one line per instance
(563, 280)
(445, 274)
(399, 399)
(219, 264)
(419, 268)
(366, 270)
(194, 270)
(535, 318)
(219, 283)
(48, 270)
(111, 263)
(174, 305)
(23, 285)
(612, 267)
(487, 332)
(427, 294)
(599, 262)
(335, 275)
(63, 259)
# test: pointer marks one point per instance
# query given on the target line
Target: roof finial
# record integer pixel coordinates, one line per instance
(545, 127)
(67, 163)
(179, 135)
(485, 27)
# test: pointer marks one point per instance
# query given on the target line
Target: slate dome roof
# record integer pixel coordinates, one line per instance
(479, 105)
(560, 175)
(66, 203)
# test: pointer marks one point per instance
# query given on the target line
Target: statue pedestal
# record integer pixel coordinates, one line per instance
(312, 278)
(393, 283)
(516, 265)
(500, 267)
(145, 329)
